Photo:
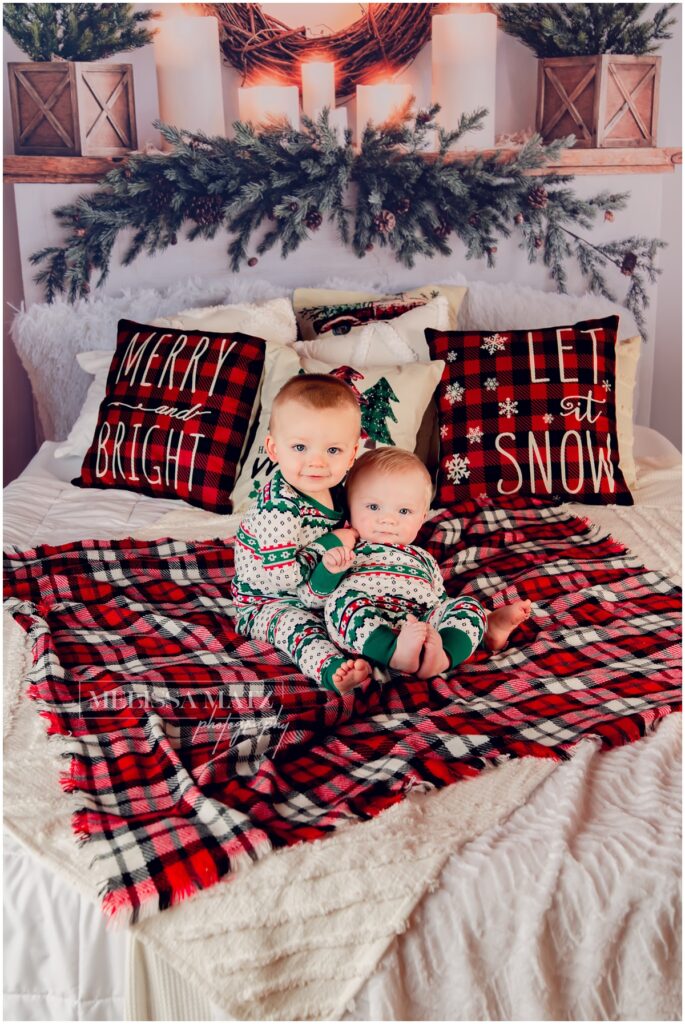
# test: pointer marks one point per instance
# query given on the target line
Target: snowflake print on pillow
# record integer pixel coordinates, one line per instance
(529, 414)
(175, 414)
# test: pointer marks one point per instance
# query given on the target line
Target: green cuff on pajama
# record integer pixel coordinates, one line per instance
(328, 671)
(457, 645)
(381, 645)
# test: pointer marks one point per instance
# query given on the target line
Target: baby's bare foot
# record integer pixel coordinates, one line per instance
(410, 640)
(351, 674)
(503, 622)
(434, 660)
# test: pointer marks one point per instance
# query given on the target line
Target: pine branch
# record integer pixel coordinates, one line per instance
(569, 30)
(275, 187)
(77, 32)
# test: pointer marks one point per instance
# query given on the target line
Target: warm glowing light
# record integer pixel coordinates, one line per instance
(262, 103)
(318, 87)
(380, 103)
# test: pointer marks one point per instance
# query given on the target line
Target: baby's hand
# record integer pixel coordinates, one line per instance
(338, 560)
(348, 535)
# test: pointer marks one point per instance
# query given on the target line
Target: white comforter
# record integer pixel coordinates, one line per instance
(567, 910)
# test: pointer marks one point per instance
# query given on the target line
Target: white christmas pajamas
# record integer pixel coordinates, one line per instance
(386, 584)
(280, 582)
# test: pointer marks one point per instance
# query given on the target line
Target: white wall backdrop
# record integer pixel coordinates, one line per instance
(654, 209)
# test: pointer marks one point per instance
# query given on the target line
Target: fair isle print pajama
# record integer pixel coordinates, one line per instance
(279, 577)
(385, 585)
(300, 634)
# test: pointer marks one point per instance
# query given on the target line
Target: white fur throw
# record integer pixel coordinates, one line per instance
(48, 338)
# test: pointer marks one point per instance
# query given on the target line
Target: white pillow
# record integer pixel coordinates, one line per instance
(382, 342)
(81, 434)
(280, 364)
(273, 321)
(405, 394)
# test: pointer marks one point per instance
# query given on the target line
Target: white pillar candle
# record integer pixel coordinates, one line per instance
(262, 103)
(464, 53)
(188, 61)
(338, 122)
(379, 103)
(318, 87)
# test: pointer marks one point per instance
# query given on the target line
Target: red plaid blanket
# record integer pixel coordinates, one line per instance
(192, 749)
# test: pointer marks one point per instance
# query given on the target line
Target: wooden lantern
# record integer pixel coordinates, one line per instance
(606, 101)
(68, 108)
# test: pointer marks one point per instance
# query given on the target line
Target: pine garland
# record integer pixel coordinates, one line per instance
(76, 31)
(274, 186)
(572, 30)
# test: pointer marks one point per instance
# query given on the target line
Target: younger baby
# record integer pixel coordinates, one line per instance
(390, 605)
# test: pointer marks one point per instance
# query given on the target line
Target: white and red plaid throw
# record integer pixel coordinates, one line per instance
(192, 749)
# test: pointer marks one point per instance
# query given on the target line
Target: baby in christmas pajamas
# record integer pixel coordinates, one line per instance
(280, 579)
(391, 605)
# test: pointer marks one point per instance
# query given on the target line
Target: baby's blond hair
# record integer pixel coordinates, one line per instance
(316, 391)
(387, 460)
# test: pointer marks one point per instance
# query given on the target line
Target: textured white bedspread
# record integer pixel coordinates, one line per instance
(567, 910)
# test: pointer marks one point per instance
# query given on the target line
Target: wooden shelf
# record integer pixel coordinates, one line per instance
(596, 161)
(84, 169)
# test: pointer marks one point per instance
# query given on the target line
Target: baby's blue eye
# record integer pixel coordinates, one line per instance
(405, 511)
(298, 447)
(333, 451)
(373, 507)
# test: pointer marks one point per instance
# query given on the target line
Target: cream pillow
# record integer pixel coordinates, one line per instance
(273, 321)
(381, 342)
(393, 402)
(627, 358)
(280, 364)
(319, 312)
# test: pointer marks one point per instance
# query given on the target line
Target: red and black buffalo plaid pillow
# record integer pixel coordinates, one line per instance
(529, 413)
(175, 414)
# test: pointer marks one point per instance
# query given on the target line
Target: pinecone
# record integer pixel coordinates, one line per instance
(423, 117)
(384, 222)
(313, 220)
(253, 261)
(161, 192)
(629, 264)
(492, 249)
(369, 247)
(442, 230)
(537, 197)
(205, 210)
(519, 218)
(609, 215)
(80, 232)
(403, 206)
(474, 220)
(537, 242)
(293, 207)
(174, 239)
(197, 145)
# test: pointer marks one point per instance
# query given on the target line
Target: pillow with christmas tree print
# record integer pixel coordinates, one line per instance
(392, 399)
(529, 413)
(175, 414)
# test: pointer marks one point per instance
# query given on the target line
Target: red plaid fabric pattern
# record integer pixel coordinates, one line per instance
(529, 413)
(192, 748)
(175, 414)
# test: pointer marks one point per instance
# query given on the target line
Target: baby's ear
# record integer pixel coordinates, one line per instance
(270, 446)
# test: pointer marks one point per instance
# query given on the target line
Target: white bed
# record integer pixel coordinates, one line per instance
(569, 909)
